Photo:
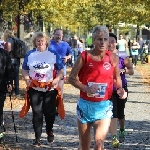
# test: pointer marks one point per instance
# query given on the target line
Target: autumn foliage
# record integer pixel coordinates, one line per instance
(84, 14)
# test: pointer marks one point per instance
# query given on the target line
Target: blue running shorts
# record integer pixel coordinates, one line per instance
(89, 112)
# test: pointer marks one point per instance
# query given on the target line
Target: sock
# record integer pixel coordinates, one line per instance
(121, 130)
(114, 136)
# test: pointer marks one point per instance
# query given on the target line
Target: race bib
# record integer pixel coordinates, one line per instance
(100, 93)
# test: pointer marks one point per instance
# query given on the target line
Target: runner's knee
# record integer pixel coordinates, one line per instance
(99, 144)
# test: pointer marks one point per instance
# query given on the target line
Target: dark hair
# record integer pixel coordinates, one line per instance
(58, 29)
(113, 35)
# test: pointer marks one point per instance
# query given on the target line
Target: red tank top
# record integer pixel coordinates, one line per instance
(97, 72)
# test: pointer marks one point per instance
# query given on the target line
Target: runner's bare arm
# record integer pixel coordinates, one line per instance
(73, 77)
(60, 74)
(25, 74)
(129, 66)
(118, 82)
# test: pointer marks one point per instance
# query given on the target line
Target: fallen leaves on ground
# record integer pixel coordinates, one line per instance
(144, 70)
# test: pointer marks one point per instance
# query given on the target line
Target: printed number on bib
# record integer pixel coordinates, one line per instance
(100, 93)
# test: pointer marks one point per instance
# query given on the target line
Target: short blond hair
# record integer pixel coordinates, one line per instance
(41, 35)
(8, 34)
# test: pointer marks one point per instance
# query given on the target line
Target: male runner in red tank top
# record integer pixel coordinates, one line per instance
(93, 74)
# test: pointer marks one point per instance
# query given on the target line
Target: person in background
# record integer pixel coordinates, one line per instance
(79, 46)
(141, 43)
(63, 49)
(6, 79)
(51, 37)
(129, 47)
(125, 67)
(134, 51)
(1, 37)
(93, 74)
(89, 42)
(3, 44)
(39, 66)
(122, 43)
(8, 37)
(80, 40)
(149, 45)
(74, 48)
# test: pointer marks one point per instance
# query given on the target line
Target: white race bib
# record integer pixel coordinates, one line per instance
(100, 93)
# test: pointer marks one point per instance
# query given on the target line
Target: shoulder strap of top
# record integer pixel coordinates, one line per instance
(84, 57)
(109, 54)
(84, 60)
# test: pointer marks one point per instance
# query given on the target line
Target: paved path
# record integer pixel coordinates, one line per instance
(66, 135)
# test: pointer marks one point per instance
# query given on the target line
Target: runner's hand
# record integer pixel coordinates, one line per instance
(92, 89)
(55, 83)
(122, 93)
(9, 88)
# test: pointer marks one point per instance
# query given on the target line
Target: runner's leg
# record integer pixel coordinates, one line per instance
(101, 128)
(84, 135)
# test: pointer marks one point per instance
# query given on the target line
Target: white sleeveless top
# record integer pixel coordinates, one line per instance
(121, 45)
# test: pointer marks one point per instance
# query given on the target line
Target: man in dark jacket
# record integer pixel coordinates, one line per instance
(6, 78)
(8, 37)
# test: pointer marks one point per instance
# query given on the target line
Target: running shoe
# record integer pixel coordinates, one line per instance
(1, 138)
(50, 137)
(37, 143)
(115, 142)
(121, 136)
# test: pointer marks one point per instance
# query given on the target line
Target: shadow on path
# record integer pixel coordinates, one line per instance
(66, 134)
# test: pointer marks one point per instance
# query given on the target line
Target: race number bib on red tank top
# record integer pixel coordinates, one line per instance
(100, 93)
